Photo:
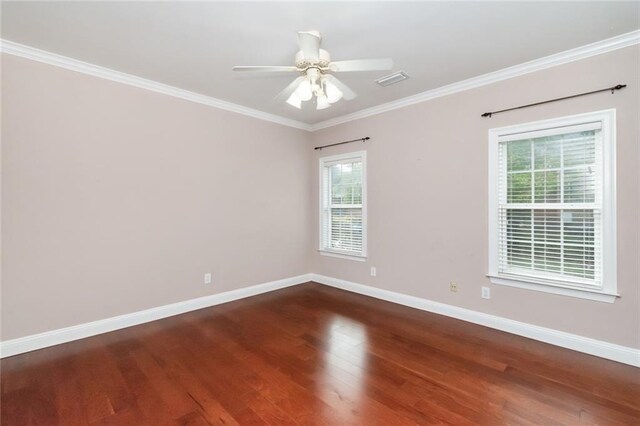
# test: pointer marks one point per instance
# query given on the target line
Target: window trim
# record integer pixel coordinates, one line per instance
(608, 293)
(323, 161)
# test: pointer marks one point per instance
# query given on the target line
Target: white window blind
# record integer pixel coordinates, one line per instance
(342, 221)
(553, 199)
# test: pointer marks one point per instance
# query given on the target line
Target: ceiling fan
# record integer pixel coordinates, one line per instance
(316, 68)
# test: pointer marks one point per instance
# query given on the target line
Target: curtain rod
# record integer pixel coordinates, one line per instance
(366, 138)
(613, 89)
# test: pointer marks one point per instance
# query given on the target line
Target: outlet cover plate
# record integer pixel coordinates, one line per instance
(486, 293)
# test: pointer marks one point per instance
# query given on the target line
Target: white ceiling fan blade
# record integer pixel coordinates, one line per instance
(361, 65)
(310, 44)
(284, 95)
(347, 93)
(267, 68)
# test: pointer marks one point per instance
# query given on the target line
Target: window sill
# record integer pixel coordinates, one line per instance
(343, 256)
(553, 288)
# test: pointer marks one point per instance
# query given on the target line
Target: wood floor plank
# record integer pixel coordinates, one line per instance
(314, 355)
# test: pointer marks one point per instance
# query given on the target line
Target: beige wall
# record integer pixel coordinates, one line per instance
(117, 199)
(427, 181)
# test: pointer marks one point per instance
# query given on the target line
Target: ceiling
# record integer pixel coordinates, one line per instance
(193, 45)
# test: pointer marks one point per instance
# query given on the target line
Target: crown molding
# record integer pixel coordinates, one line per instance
(578, 53)
(583, 52)
(50, 58)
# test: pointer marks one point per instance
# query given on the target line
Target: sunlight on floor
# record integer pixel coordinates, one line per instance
(345, 365)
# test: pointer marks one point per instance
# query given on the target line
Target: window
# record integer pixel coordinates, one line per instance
(343, 213)
(552, 206)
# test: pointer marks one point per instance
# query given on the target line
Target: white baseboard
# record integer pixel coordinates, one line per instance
(68, 334)
(587, 345)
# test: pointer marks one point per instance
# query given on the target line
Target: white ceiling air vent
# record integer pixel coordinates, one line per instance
(392, 78)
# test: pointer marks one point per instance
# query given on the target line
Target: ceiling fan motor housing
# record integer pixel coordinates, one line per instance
(303, 63)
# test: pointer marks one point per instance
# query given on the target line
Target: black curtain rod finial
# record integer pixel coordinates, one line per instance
(618, 87)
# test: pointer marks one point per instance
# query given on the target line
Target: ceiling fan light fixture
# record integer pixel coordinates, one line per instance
(322, 102)
(316, 73)
(333, 93)
(295, 101)
(304, 91)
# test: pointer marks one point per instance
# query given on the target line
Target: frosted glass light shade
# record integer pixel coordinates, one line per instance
(294, 101)
(322, 102)
(333, 93)
(304, 91)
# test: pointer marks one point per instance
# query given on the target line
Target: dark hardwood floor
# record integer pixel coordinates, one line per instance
(311, 354)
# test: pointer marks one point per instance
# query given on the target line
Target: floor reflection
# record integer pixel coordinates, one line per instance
(342, 382)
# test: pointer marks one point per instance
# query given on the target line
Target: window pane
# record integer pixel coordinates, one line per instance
(346, 229)
(579, 185)
(553, 241)
(357, 183)
(547, 187)
(337, 189)
(357, 194)
(561, 163)
(547, 152)
(579, 148)
(519, 187)
(547, 226)
(519, 155)
(578, 231)
(547, 238)
(519, 238)
(346, 183)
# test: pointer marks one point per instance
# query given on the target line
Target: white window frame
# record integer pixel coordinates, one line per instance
(322, 249)
(608, 292)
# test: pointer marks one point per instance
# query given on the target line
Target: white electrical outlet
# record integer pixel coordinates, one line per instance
(486, 293)
(207, 278)
(453, 287)
(373, 271)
